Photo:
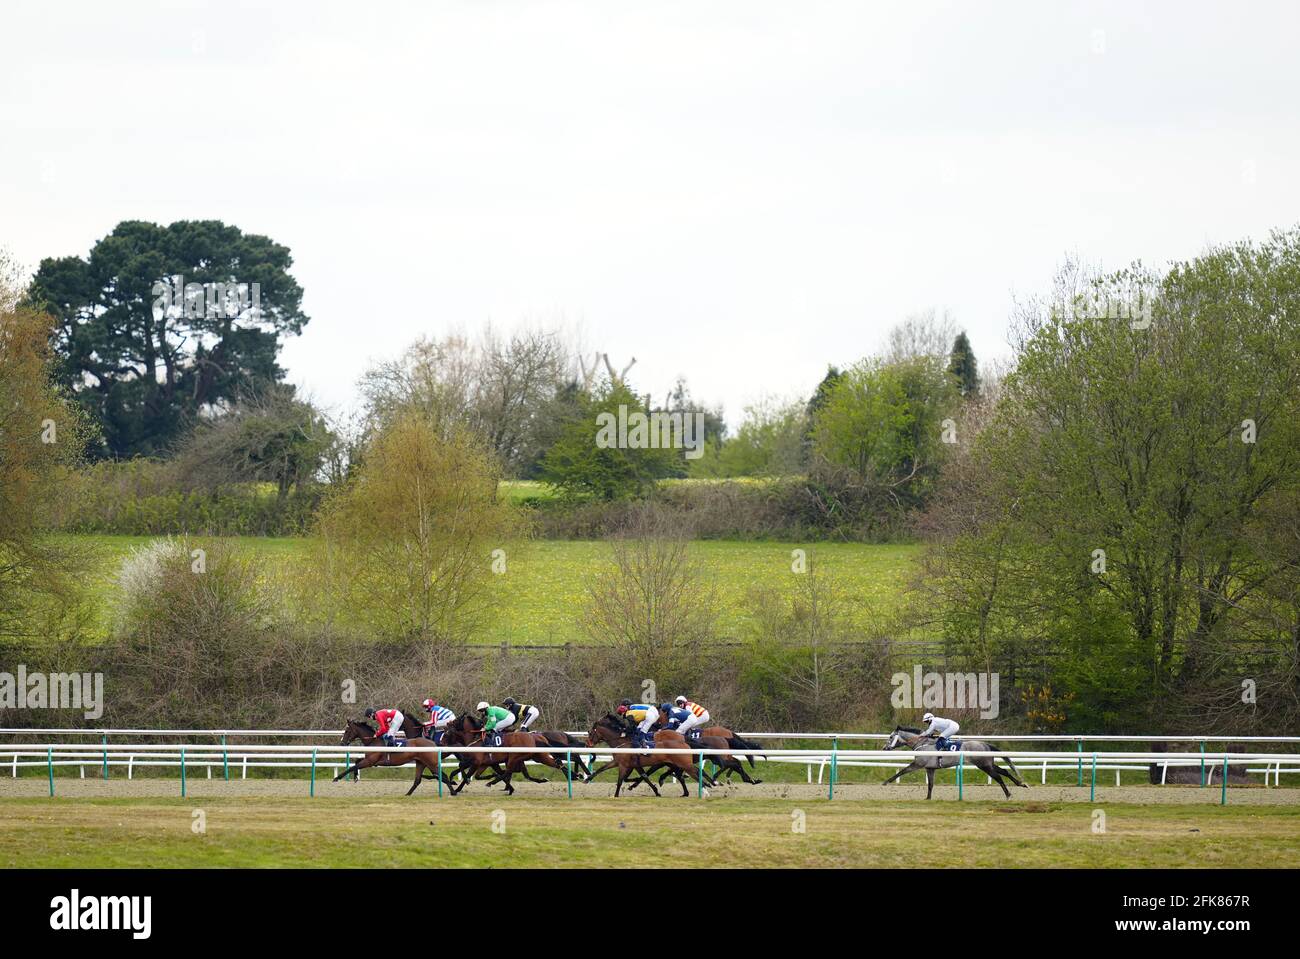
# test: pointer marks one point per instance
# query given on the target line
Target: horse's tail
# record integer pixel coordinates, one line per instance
(736, 743)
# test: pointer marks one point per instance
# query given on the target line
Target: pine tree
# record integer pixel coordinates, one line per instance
(963, 367)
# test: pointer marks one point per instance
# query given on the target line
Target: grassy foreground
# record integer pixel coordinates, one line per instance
(331, 832)
(545, 583)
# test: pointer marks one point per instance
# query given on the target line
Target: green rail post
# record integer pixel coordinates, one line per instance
(49, 765)
(568, 770)
(439, 773)
(961, 766)
(225, 758)
(835, 745)
(182, 772)
(105, 742)
(1223, 795)
(699, 792)
(1202, 762)
(1079, 746)
(1092, 789)
(312, 791)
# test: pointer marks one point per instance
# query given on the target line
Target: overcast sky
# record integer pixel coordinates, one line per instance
(736, 192)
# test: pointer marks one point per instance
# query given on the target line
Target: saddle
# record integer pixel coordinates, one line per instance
(947, 745)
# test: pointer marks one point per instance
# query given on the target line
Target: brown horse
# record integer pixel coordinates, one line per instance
(727, 764)
(609, 731)
(730, 739)
(555, 739)
(514, 762)
(365, 733)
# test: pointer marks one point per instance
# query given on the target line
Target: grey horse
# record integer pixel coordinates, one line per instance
(979, 755)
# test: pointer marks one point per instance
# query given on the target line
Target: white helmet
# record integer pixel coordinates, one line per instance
(482, 705)
(928, 718)
(680, 700)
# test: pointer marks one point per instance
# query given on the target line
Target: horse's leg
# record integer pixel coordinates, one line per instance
(929, 781)
(596, 772)
(555, 762)
(738, 767)
(1013, 773)
(622, 775)
(464, 779)
(582, 767)
(419, 775)
(910, 767)
(684, 769)
(361, 763)
(644, 773)
(992, 770)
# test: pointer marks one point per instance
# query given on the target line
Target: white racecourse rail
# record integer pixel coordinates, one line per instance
(206, 756)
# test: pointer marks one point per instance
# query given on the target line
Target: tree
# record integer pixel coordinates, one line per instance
(159, 324)
(799, 650)
(654, 600)
(1135, 454)
(768, 443)
(713, 429)
(815, 404)
(922, 335)
(963, 367)
(41, 438)
(881, 428)
(269, 437)
(409, 540)
(500, 387)
(580, 464)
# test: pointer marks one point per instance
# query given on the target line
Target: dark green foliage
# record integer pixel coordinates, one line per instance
(144, 362)
(580, 467)
(963, 367)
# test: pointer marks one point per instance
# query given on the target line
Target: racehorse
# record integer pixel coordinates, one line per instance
(514, 762)
(412, 729)
(609, 731)
(726, 763)
(730, 739)
(357, 730)
(554, 738)
(981, 758)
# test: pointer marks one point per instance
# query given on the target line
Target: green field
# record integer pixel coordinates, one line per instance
(742, 832)
(544, 586)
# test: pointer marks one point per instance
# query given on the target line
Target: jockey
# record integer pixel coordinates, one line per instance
(388, 723)
(439, 717)
(942, 729)
(527, 714)
(495, 721)
(697, 715)
(640, 718)
(673, 717)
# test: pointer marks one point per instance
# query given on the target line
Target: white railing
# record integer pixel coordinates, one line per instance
(1071, 738)
(50, 755)
(1060, 760)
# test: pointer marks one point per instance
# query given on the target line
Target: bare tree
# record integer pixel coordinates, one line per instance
(497, 386)
(654, 600)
